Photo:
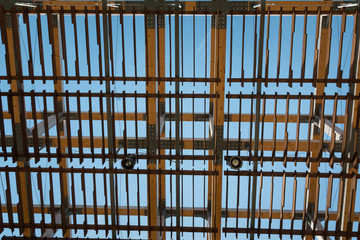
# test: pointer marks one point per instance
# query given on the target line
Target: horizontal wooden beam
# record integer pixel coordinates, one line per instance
(190, 5)
(187, 143)
(186, 211)
(141, 116)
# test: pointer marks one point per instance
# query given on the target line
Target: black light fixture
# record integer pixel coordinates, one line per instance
(128, 162)
(235, 162)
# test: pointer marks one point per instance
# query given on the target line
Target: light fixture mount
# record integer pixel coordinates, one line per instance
(235, 162)
(128, 162)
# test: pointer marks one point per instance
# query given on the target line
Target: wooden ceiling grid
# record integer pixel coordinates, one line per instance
(26, 146)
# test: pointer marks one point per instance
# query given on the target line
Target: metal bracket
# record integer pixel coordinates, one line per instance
(152, 5)
(219, 144)
(235, 145)
(151, 137)
(227, 118)
(55, 21)
(239, 5)
(172, 6)
(165, 144)
(161, 21)
(162, 206)
(211, 108)
(317, 110)
(222, 21)
(213, 23)
(325, 21)
(8, 20)
(223, 6)
(132, 5)
(7, 4)
(304, 119)
(337, 147)
(150, 21)
(201, 117)
(161, 109)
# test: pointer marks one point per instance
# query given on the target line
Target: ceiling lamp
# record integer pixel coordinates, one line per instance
(128, 162)
(235, 162)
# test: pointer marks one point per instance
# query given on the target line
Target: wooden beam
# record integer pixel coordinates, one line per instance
(211, 112)
(347, 211)
(187, 212)
(219, 71)
(161, 125)
(199, 117)
(190, 5)
(187, 143)
(322, 52)
(14, 54)
(153, 216)
(58, 86)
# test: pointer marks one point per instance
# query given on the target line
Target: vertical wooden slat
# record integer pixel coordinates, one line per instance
(293, 18)
(304, 48)
(87, 44)
(51, 41)
(342, 30)
(83, 188)
(271, 202)
(98, 41)
(293, 206)
(298, 129)
(40, 188)
(267, 47)
(282, 202)
(279, 47)
(260, 193)
(274, 129)
(328, 203)
(73, 198)
(73, 21)
(2, 130)
(95, 201)
(286, 129)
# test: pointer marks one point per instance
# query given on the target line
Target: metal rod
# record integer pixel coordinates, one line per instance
(111, 143)
(177, 120)
(257, 116)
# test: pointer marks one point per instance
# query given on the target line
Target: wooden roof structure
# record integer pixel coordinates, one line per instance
(299, 151)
